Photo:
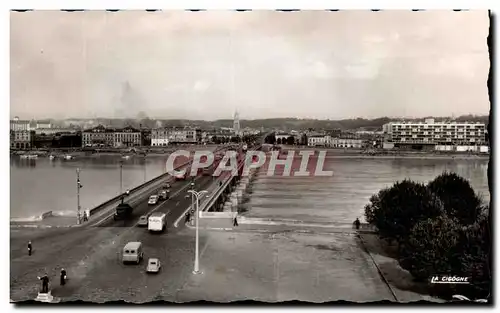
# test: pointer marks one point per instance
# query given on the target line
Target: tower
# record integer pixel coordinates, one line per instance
(236, 123)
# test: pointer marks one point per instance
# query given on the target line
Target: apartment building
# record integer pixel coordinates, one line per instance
(435, 133)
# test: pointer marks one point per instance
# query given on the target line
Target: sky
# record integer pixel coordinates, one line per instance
(265, 64)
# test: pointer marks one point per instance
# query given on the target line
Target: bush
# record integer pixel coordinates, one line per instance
(431, 248)
(475, 258)
(458, 198)
(395, 210)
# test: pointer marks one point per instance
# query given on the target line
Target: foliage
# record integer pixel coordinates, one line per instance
(271, 139)
(458, 198)
(430, 248)
(395, 210)
(290, 140)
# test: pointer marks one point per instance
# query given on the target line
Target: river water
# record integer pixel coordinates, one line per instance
(38, 186)
(42, 185)
(341, 198)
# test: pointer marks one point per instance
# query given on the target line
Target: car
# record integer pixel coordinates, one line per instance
(164, 194)
(143, 220)
(154, 265)
(153, 199)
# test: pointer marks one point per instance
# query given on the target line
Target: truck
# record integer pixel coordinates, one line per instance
(157, 222)
(123, 211)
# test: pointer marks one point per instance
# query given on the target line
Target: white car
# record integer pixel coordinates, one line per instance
(153, 199)
(154, 265)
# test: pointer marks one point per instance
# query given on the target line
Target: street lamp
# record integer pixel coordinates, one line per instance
(121, 176)
(145, 177)
(197, 195)
(78, 186)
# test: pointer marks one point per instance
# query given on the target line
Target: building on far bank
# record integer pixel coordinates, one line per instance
(127, 137)
(175, 135)
(21, 139)
(159, 137)
(346, 143)
(429, 134)
(19, 125)
(316, 140)
(98, 136)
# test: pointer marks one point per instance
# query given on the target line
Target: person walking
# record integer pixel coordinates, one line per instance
(235, 222)
(188, 217)
(63, 277)
(45, 283)
(29, 247)
(85, 217)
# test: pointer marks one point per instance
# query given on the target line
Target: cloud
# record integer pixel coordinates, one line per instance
(204, 64)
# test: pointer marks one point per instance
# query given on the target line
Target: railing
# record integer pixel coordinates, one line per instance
(148, 183)
(208, 204)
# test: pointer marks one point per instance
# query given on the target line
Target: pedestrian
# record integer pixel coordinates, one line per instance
(45, 283)
(357, 223)
(85, 217)
(63, 277)
(188, 217)
(29, 247)
(235, 222)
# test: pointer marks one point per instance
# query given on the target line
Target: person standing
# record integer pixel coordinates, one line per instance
(63, 277)
(357, 223)
(29, 247)
(45, 283)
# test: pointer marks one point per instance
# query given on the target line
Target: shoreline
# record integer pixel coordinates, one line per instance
(330, 153)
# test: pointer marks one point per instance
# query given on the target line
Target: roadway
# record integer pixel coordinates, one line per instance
(174, 207)
(91, 255)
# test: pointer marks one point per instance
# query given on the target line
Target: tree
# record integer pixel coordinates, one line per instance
(458, 198)
(431, 248)
(290, 140)
(395, 210)
(475, 257)
(216, 140)
(443, 246)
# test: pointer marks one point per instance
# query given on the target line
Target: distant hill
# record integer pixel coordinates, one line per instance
(286, 124)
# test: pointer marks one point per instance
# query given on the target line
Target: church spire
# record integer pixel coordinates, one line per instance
(236, 123)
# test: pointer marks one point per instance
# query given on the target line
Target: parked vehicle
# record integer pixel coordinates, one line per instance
(132, 252)
(157, 222)
(153, 200)
(154, 265)
(123, 211)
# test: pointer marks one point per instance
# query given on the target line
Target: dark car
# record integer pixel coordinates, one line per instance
(123, 211)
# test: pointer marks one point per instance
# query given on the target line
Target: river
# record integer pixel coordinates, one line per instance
(341, 198)
(38, 186)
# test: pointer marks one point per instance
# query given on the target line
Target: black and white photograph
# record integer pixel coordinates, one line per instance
(320, 156)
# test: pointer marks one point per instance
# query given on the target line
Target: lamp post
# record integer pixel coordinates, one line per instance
(197, 195)
(78, 186)
(121, 176)
(145, 177)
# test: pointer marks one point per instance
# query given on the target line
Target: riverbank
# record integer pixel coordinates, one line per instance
(388, 154)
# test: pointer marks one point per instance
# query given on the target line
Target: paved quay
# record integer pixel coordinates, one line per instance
(85, 251)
